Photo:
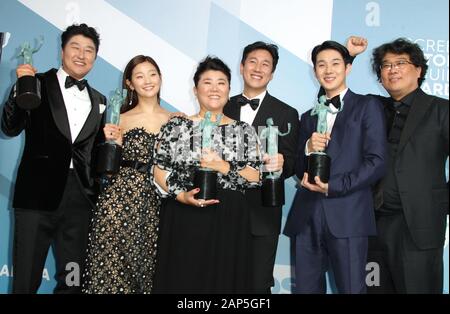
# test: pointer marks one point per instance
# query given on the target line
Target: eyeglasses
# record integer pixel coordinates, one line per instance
(399, 65)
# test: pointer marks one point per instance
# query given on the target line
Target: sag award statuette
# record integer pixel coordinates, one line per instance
(28, 89)
(319, 162)
(110, 153)
(272, 190)
(204, 178)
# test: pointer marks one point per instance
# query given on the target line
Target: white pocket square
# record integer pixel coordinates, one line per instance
(102, 108)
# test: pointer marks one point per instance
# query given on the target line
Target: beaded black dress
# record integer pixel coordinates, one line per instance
(124, 228)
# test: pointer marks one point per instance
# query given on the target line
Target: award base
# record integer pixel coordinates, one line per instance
(206, 180)
(319, 165)
(109, 156)
(272, 192)
(28, 92)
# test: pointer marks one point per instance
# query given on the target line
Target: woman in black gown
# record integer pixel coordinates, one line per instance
(204, 244)
(124, 228)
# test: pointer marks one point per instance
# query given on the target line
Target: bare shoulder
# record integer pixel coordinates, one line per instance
(164, 115)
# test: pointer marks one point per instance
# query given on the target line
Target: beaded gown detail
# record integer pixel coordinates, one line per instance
(124, 229)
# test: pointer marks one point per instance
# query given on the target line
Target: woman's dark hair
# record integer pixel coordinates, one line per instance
(272, 49)
(211, 63)
(81, 29)
(398, 47)
(330, 44)
(127, 74)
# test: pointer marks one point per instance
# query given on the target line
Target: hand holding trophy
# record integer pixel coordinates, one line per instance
(273, 185)
(109, 152)
(28, 89)
(205, 178)
(319, 162)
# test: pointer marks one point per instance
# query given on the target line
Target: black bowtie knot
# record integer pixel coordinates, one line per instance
(70, 81)
(242, 101)
(336, 101)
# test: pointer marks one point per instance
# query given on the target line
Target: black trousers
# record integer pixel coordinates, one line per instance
(66, 229)
(404, 268)
(264, 249)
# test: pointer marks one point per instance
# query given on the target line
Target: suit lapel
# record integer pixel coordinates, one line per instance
(339, 127)
(56, 103)
(265, 111)
(419, 107)
(90, 125)
(232, 109)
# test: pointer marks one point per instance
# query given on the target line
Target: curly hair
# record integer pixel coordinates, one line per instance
(400, 46)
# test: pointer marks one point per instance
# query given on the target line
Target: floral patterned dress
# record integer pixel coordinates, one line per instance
(205, 250)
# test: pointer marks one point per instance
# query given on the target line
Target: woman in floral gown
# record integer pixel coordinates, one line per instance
(204, 245)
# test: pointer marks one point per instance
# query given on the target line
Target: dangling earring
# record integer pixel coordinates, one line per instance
(131, 98)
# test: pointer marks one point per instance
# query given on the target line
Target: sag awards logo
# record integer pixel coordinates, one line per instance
(7, 271)
(72, 276)
(284, 281)
(436, 52)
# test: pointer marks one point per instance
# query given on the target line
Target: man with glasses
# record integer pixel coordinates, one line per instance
(411, 202)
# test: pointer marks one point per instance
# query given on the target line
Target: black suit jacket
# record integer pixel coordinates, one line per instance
(267, 220)
(43, 170)
(420, 169)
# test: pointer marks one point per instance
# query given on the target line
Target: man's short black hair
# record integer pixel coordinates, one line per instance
(81, 29)
(271, 48)
(330, 44)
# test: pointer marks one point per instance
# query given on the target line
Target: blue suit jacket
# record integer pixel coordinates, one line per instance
(358, 152)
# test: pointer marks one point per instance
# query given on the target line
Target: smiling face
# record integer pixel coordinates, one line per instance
(331, 71)
(145, 80)
(212, 91)
(399, 81)
(78, 56)
(257, 72)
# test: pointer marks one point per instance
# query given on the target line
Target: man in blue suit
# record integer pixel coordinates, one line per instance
(330, 222)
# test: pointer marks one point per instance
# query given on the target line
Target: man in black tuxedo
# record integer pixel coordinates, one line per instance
(254, 106)
(411, 202)
(55, 191)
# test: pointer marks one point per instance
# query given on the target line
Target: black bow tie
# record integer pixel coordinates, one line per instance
(70, 81)
(336, 101)
(242, 101)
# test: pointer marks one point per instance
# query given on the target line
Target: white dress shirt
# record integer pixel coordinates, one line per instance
(247, 113)
(78, 105)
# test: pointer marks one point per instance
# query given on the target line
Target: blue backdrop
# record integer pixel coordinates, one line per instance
(178, 33)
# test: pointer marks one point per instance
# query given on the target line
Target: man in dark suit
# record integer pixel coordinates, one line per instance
(55, 191)
(254, 106)
(330, 222)
(412, 199)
